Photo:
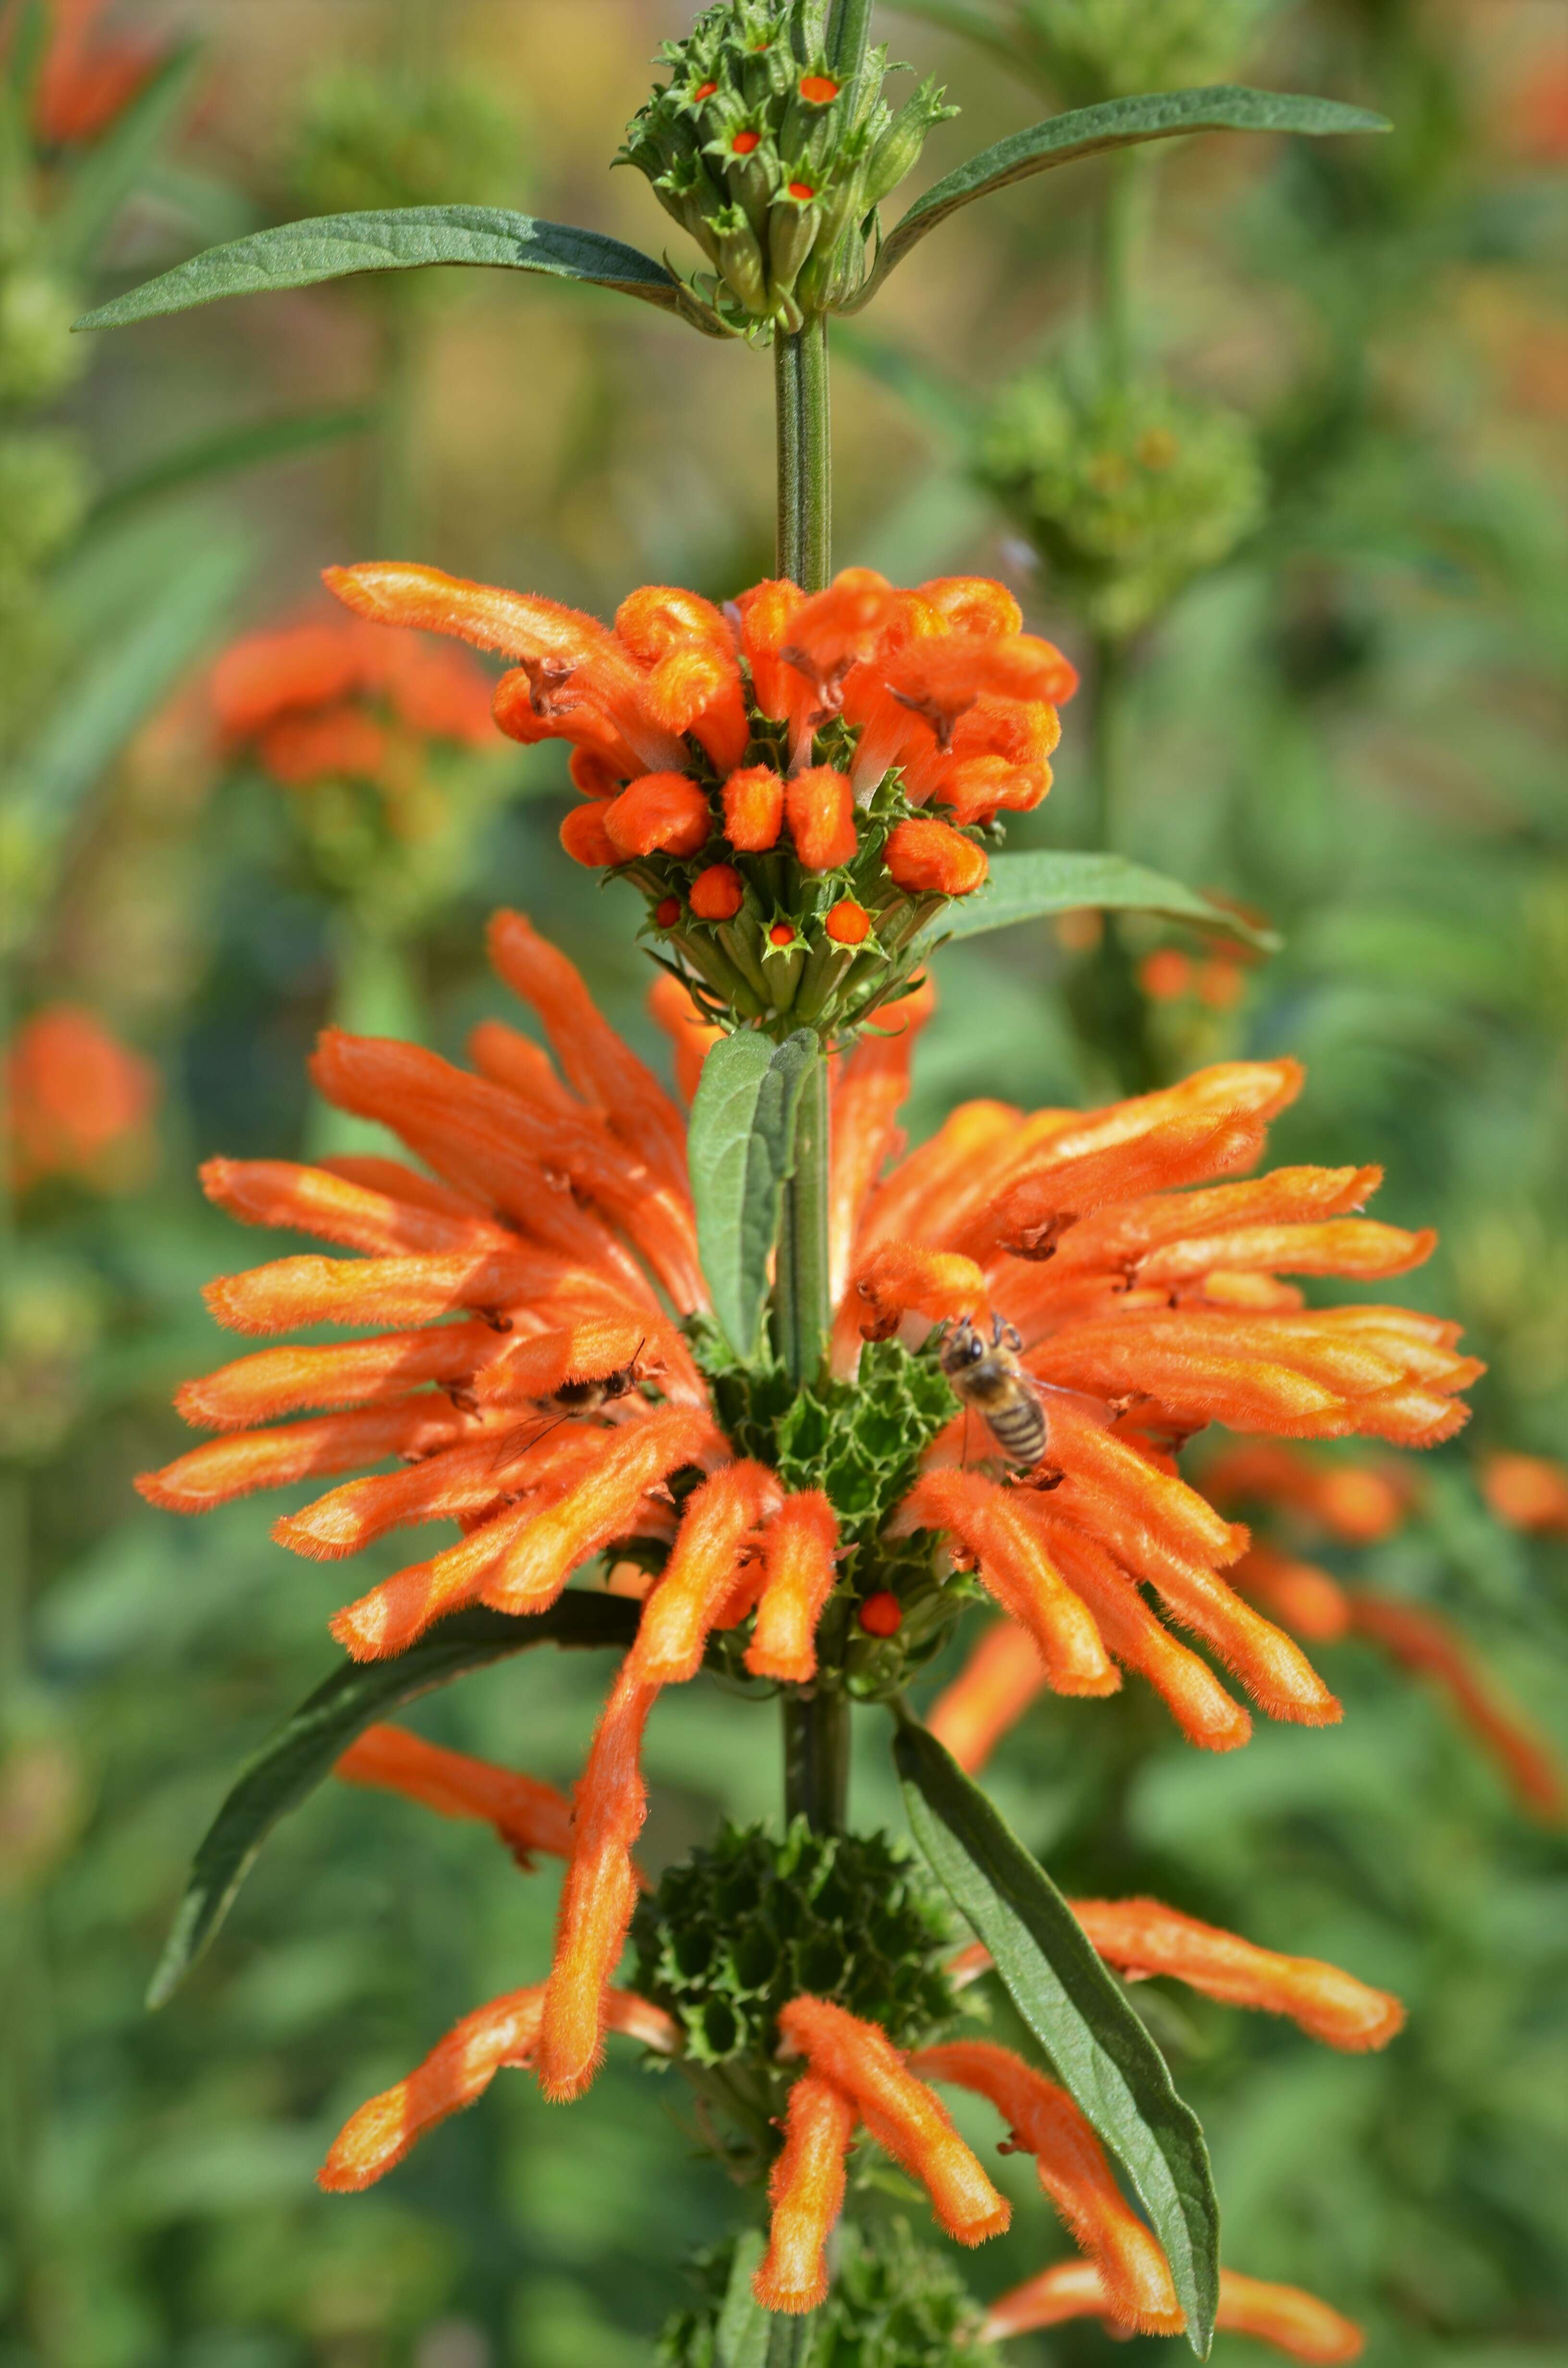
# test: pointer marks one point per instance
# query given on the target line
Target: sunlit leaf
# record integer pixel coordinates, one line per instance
(299, 1754)
(405, 238)
(1028, 886)
(1115, 123)
(1099, 2048)
(740, 1150)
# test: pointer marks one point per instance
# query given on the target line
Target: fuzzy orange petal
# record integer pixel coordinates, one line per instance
(798, 1545)
(805, 2194)
(1142, 1936)
(527, 1815)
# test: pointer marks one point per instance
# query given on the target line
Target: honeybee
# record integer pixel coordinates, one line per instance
(986, 1376)
(575, 1397)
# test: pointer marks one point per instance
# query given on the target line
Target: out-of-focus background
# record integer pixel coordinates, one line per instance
(1342, 711)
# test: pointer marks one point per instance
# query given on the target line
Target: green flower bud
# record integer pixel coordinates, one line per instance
(749, 88)
(1128, 496)
(38, 356)
(738, 252)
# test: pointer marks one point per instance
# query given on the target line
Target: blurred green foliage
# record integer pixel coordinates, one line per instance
(1347, 722)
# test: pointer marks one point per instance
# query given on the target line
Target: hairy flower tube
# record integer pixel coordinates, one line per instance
(797, 783)
(1294, 2321)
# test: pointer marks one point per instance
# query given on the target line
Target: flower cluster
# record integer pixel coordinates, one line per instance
(521, 1363)
(336, 701)
(772, 161)
(766, 775)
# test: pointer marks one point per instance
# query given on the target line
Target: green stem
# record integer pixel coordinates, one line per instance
(374, 994)
(1108, 744)
(805, 467)
(816, 1757)
(816, 1724)
(1123, 222)
(804, 1305)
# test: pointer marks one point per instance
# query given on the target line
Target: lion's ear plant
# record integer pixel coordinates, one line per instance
(745, 1388)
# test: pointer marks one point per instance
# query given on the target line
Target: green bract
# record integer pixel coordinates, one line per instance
(732, 1935)
(772, 161)
(1128, 494)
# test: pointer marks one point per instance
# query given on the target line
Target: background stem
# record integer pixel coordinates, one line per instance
(1120, 231)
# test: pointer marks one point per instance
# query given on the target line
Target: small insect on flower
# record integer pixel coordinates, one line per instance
(986, 1375)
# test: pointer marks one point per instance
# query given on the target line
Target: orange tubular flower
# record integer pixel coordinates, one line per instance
(526, 1814)
(457, 2072)
(754, 809)
(899, 2110)
(1425, 1642)
(1301, 1597)
(1002, 1677)
(931, 859)
(718, 893)
(798, 1550)
(806, 2196)
(1142, 1937)
(691, 1592)
(985, 1522)
(819, 805)
(1294, 2321)
(1528, 1492)
(1072, 2172)
(692, 1036)
(79, 1103)
(599, 1892)
(1356, 1502)
(87, 78)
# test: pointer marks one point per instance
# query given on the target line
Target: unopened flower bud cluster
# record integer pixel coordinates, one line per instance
(772, 162)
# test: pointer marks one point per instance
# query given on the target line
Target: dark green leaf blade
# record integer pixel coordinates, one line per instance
(1027, 887)
(1096, 2044)
(299, 1754)
(1115, 123)
(739, 1149)
(404, 238)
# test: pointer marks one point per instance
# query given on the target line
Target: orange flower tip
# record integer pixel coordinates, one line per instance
(881, 1614)
(781, 934)
(666, 912)
(819, 90)
(744, 142)
(584, 838)
(848, 924)
(803, 190)
(774, 2296)
(704, 90)
(1167, 975)
(718, 893)
(931, 859)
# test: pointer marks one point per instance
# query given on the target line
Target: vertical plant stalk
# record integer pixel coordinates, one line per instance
(816, 1723)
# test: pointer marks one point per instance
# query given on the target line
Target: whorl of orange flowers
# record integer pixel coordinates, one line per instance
(87, 77)
(763, 772)
(78, 1100)
(334, 699)
(539, 1256)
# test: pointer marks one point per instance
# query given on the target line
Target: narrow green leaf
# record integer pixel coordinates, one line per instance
(299, 1754)
(739, 1149)
(405, 238)
(226, 454)
(1097, 2047)
(1116, 123)
(1026, 887)
(120, 684)
(116, 166)
(742, 2334)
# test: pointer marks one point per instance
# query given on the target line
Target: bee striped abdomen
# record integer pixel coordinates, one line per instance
(1018, 1429)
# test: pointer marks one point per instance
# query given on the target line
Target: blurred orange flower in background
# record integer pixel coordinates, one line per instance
(80, 1101)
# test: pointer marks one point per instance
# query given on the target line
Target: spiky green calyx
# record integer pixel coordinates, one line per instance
(860, 1441)
(772, 162)
(894, 2304)
(736, 1931)
(1128, 494)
